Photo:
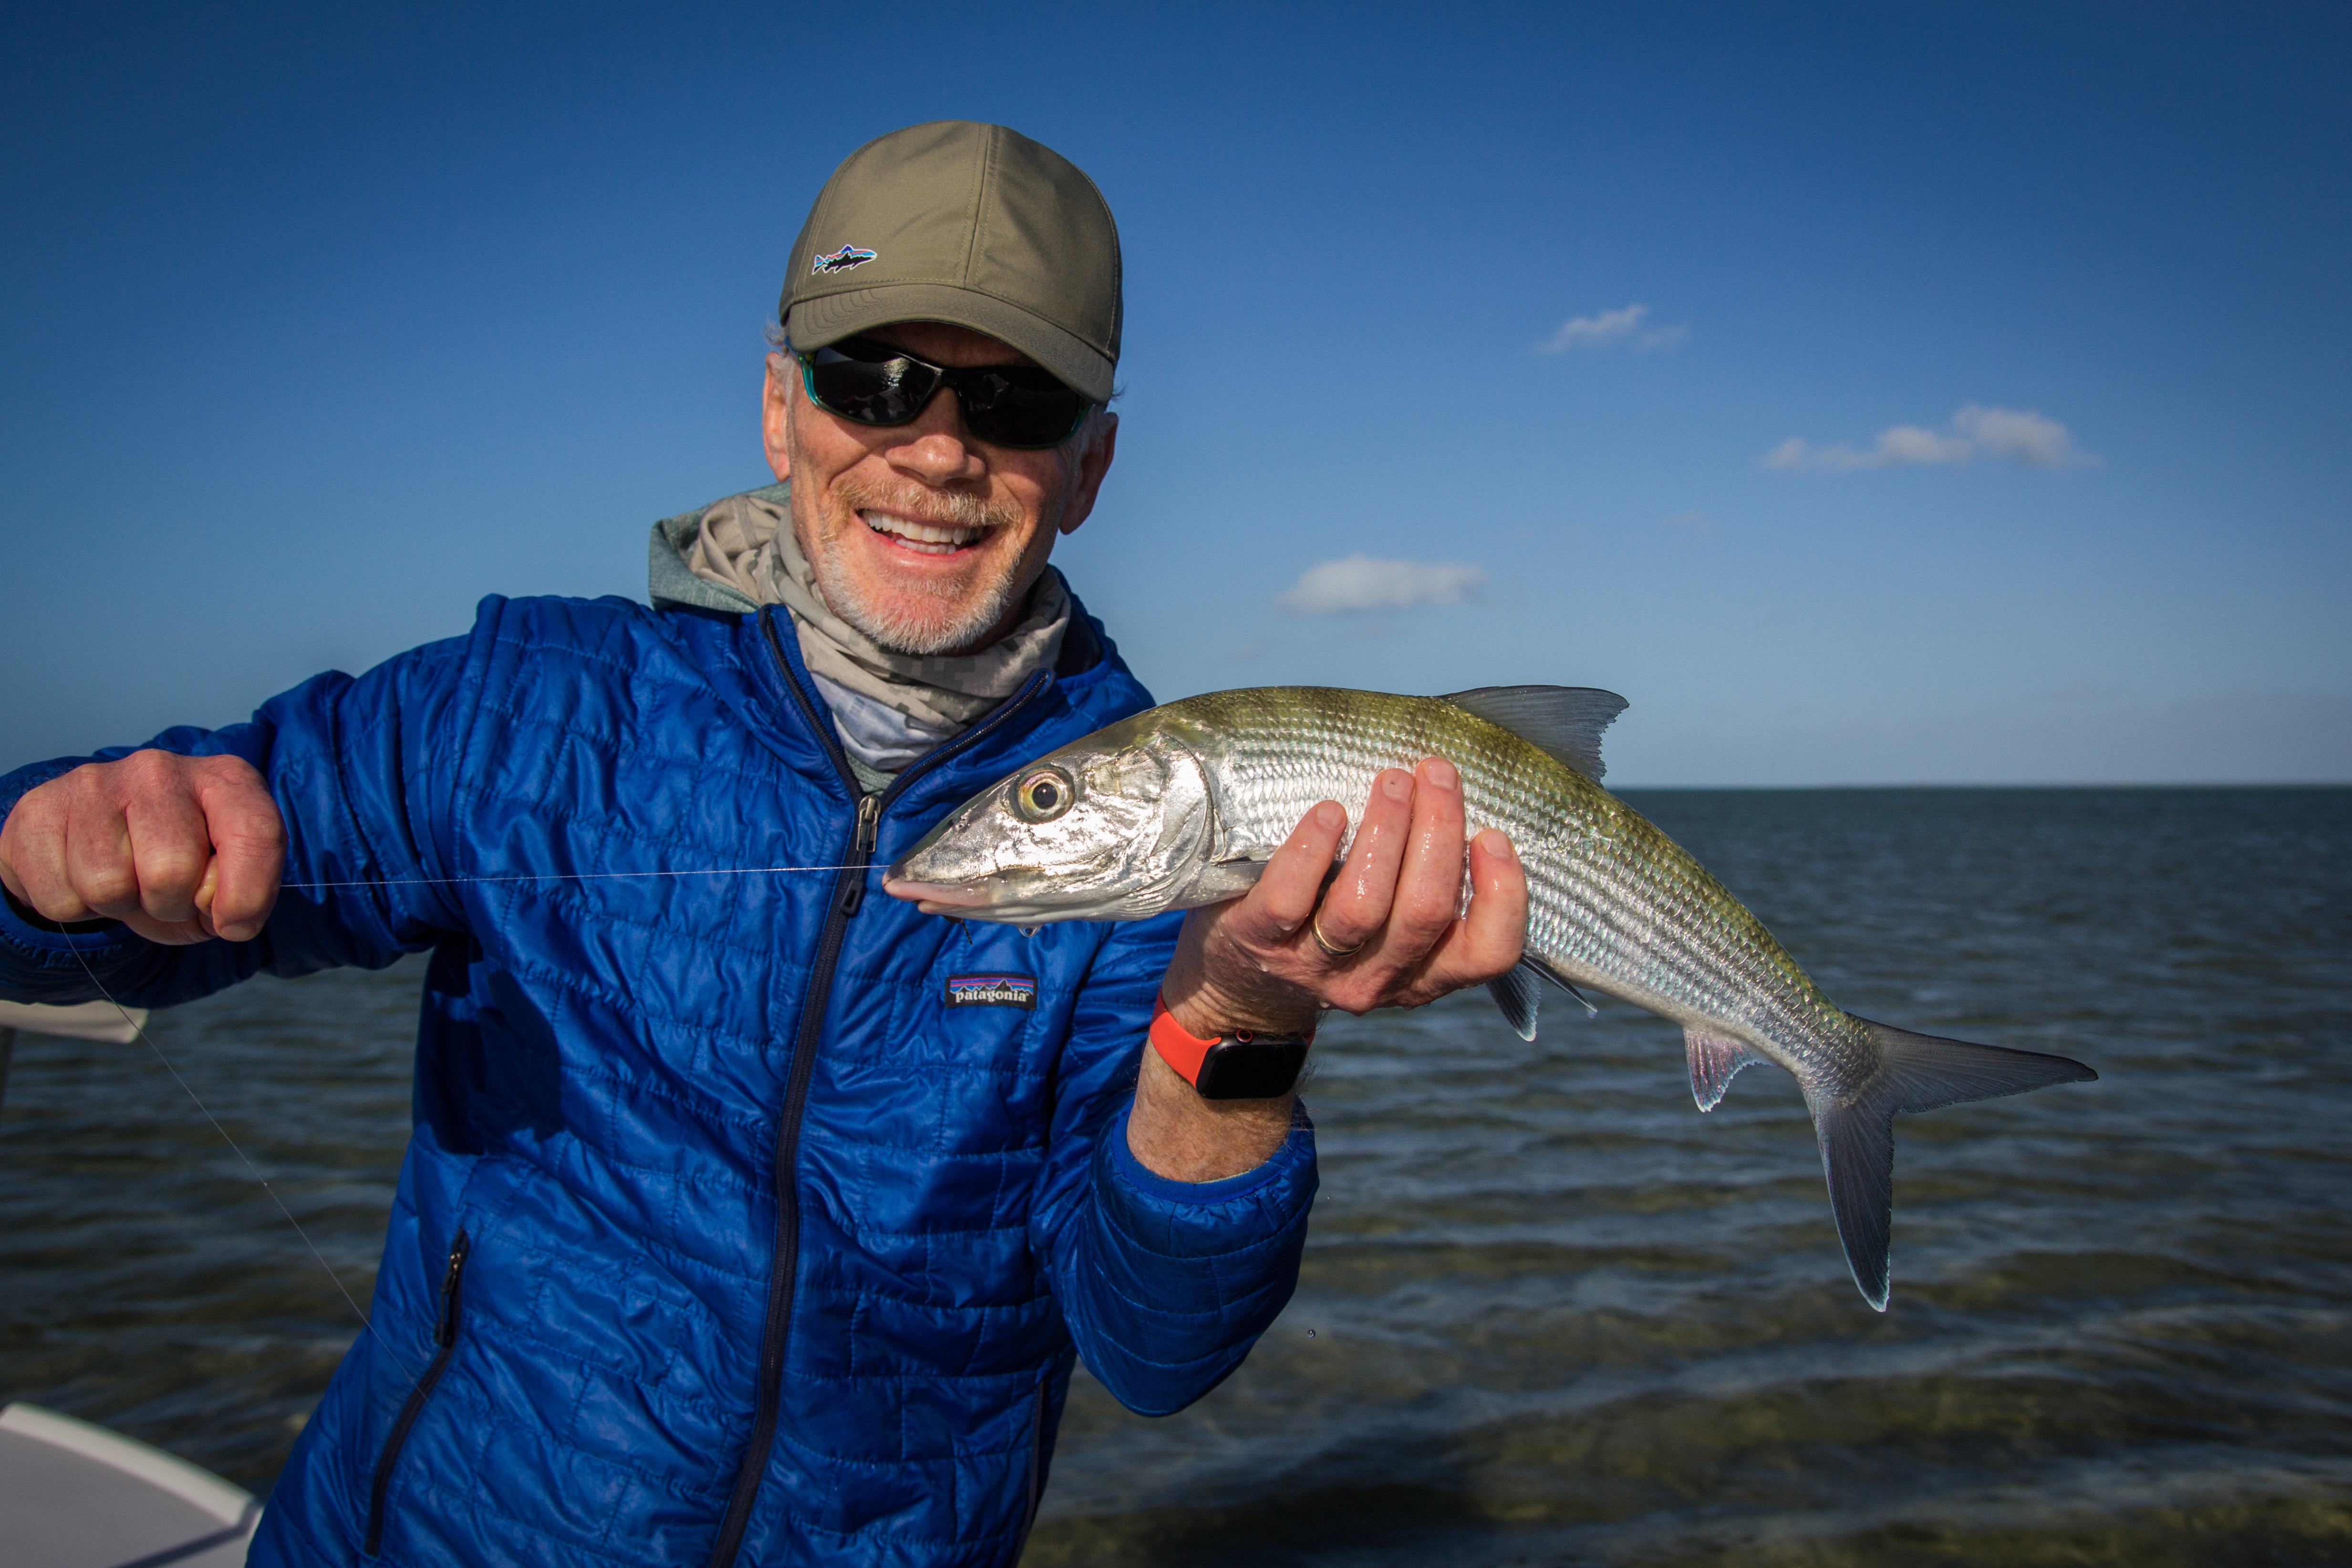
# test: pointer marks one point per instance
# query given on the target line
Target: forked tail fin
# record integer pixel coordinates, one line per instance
(1918, 1072)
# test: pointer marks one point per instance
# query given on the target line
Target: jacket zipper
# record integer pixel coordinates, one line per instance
(848, 897)
(445, 1337)
(1036, 1453)
(869, 828)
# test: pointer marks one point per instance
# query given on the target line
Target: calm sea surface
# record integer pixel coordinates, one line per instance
(1550, 1313)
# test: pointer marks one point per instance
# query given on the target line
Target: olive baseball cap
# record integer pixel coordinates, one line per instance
(972, 225)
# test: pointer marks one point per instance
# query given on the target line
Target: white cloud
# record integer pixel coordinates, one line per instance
(1359, 585)
(1608, 327)
(1593, 332)
(1908, 445)
(2018, 435)
(2024, 438)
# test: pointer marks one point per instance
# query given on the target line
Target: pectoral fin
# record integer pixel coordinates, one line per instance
(1715, 1061)
(1569, 987)
(1518, 996)
(1516, 993)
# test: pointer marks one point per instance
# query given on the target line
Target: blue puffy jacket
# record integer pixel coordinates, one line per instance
(747, 1218)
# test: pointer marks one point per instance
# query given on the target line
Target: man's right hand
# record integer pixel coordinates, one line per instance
(181, 849)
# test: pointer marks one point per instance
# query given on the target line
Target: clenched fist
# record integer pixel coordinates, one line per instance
(180, 849)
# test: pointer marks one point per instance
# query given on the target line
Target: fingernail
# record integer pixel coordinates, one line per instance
(1397, 784)
(1498, 844)
(1329, 817)
(1439, 772)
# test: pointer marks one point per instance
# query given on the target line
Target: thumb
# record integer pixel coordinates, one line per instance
(204, 896)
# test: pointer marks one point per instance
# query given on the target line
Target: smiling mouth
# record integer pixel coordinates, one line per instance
(922, 538)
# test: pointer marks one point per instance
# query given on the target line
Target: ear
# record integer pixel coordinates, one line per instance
(776, 416)
(1091, 469)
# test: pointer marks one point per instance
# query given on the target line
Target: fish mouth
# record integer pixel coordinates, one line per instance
(935, 897)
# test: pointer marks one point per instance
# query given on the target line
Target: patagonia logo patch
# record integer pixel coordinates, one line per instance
(842, 261)
(992, 991)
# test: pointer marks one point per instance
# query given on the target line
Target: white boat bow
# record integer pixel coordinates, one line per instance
(73, 1495)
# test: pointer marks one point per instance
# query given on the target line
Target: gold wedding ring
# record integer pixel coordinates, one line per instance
(1315, 929)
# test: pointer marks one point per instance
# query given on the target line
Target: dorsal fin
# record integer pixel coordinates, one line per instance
(1565, 720)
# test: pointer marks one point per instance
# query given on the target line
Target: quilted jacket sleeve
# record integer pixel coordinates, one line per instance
(355, 766)
(1165, 1284)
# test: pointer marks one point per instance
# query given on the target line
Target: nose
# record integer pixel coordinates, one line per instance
(936, 448)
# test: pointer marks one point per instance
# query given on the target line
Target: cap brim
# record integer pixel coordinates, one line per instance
(829, 318)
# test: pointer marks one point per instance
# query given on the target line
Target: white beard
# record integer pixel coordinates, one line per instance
(905, 630)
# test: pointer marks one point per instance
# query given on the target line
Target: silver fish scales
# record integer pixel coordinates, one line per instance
(1184, 804)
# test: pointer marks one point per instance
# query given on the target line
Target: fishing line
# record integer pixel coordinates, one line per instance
(572, 877)
(140, 1030)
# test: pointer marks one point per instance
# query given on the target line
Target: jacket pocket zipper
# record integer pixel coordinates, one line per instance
(1037, 1454)
(444, 1338)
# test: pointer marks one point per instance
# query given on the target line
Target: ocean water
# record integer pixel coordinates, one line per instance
(1550, 1314)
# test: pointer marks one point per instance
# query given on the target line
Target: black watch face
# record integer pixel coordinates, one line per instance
(1259, 1070)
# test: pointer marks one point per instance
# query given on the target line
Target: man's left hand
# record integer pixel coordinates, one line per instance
(1255, 963)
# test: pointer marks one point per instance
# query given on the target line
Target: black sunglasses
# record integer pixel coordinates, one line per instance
(870, 382)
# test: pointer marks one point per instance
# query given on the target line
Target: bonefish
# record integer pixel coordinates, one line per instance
(1183, 805)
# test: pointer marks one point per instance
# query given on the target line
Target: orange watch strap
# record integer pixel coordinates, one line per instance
(1186, 1051)
(1180, 1050)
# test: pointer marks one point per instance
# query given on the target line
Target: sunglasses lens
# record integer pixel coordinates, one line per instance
(1020, 407)
(870, 384)
(1010, 405)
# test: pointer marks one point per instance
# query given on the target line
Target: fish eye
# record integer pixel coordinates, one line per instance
(1043, 794)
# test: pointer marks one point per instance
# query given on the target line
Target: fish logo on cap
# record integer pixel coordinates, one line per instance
(842, 261)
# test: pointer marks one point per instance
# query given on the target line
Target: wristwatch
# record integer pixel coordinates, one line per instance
(1239, 1065)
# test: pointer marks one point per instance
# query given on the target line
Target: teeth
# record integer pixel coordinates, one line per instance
(925, 538)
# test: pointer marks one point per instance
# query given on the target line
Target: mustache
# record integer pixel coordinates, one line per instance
(947, 509)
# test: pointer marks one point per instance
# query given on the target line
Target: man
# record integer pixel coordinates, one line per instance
(751, 1217)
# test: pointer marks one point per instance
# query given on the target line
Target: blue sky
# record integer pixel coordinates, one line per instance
(322, 326)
